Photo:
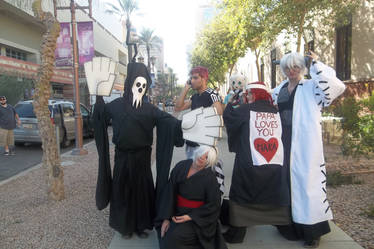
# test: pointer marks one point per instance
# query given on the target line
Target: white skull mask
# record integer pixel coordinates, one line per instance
(138, 91)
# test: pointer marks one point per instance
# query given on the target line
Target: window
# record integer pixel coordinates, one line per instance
(68, 110)
(16, 54)
(344, 51)
(25, 110)
(84, 111)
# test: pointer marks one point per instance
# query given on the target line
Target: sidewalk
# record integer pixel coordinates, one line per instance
(258, 237)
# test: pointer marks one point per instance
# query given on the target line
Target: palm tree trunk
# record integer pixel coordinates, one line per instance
(51, 158)
(149, 58)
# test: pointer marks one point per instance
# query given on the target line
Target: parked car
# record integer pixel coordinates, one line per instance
(62, 115)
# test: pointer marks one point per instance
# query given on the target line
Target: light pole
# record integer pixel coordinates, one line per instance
(78, 150)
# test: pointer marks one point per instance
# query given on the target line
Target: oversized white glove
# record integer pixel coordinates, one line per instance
(202, 125)
(100, 74)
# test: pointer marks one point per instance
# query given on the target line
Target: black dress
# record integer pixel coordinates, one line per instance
(131, 192)
(294, 231)
(197, 196)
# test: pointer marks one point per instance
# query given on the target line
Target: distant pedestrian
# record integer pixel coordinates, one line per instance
(8, 122)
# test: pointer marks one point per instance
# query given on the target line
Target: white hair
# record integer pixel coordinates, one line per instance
(290, 60)
(212, 154)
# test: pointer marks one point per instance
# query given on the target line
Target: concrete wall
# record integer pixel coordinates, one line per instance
(363, 42)
(13, 33)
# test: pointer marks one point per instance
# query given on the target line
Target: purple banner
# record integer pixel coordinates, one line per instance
(85, 42)
(64, 50)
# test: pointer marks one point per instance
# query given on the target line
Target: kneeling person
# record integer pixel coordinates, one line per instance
(191, 204)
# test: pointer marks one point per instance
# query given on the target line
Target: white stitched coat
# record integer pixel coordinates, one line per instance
(307, 165)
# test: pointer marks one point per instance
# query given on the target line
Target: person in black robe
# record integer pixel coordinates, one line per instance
(131, 191)
(190, 206)
(259, 192)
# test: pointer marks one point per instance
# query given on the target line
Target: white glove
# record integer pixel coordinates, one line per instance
(100, 74)
(202, 125)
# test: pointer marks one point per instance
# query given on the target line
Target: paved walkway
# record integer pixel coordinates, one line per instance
(258, 237)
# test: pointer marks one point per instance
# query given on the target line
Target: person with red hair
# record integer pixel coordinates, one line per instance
(259, 193)
(204, 97)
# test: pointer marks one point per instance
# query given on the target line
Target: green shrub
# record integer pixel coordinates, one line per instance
(357, 126)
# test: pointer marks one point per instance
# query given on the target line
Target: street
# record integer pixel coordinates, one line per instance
(26, 157)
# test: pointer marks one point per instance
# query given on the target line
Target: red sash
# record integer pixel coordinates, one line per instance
(183, 202)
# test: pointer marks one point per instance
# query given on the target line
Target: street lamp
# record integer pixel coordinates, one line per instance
(78, 150)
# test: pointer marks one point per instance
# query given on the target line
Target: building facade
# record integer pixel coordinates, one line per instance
(348, 49)
(21, 36)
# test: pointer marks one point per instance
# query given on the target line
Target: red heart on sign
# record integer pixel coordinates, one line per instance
(266, 148)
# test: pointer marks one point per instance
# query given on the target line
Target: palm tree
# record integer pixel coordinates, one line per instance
(126, 8)
(150, 41)
(51, 157)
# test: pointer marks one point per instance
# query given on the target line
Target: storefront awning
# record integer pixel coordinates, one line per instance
(29, 70)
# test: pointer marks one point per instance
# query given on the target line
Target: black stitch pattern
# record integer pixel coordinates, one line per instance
(324, 190)
(323, 172)
(322, 165)
(319, 72)
(325, 200)
(323, 81)
(323, 181)
(327, 209)
(317, 94)
(320, 102)
(326, 88)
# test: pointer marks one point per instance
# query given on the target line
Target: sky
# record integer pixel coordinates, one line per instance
(172, 20)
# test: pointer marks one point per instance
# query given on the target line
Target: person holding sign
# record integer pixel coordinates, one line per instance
(259, 192)
(300, 102)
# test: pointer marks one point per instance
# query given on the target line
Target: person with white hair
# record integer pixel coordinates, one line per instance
(190, 205)
(300, 102)
(259, 193)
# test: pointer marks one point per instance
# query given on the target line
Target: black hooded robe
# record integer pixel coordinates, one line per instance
(131, 192)
(203, 231)
(259, 195)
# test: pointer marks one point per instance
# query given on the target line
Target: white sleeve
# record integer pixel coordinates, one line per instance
(327, 86)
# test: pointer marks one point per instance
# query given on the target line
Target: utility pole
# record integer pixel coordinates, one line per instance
(78, 150)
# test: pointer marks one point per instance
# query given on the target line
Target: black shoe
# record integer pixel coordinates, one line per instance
(6, 153)
(142, 235)
(127, 236)
(312, 244)
(12, 153)
(235, 235)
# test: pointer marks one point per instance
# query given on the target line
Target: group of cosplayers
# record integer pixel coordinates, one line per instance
(279, 174)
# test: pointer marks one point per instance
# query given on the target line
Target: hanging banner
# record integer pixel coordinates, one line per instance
(64, 50)
(85, 42)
